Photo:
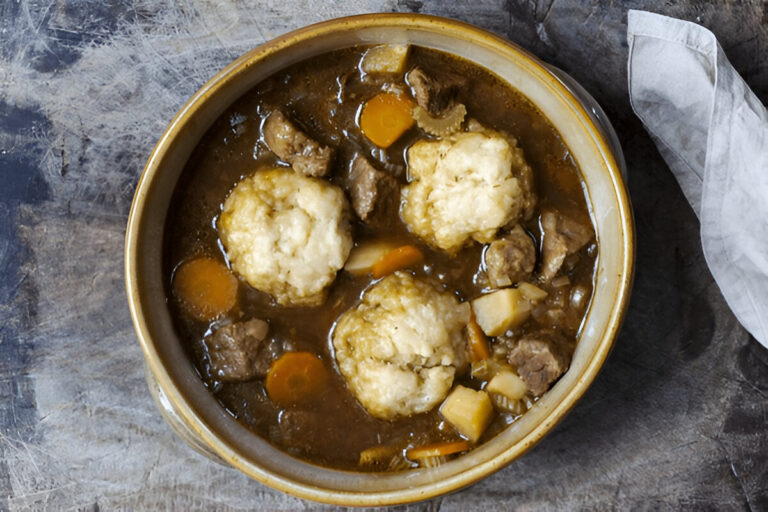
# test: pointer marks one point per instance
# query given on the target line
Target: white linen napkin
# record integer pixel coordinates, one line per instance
(713, 133)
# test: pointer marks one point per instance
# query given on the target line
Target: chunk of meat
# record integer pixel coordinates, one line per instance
(292, 145)
(435, 95)
(302, 429)
(540, 358)
(237, 352)
(372, 191)
(306, 431)
(510, 259)
(561, 236)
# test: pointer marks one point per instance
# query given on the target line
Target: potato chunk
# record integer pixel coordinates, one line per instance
(499, 311)
(365, 255)
(469, 411)
(387, 58)
(507, 383)
(532, 292)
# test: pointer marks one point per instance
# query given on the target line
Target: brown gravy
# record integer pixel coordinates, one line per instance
(336, 428)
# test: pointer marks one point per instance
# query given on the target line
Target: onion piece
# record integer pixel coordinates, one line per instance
(376, 455)
(485, 369)
(432, 462)
(399, 463)
(578, 298)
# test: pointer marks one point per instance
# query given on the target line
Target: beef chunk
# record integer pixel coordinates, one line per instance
(561, 236)
(293, 146)
(301, 428)
(308, 431)
(372, 191)
(435, 95)
(510, 259)
(540, 358)
(238, 352)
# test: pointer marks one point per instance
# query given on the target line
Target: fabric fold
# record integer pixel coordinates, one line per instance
(712, 131)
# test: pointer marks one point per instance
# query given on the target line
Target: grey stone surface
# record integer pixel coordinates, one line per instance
(677, 419)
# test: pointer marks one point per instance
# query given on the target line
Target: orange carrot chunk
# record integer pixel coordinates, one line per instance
(437, 449)
(385, 117)
(205, 288)
(478, 342)
(400, 257)
(296, 378)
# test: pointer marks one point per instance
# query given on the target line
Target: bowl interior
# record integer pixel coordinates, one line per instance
(176, 375)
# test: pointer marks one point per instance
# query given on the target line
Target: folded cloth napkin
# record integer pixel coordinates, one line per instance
(713, 133)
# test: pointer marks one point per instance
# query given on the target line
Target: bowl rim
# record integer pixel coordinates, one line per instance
(473, 474)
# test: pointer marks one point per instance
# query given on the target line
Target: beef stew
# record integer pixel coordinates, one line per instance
(516, 290)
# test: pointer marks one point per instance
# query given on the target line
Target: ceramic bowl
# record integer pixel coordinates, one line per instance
(179, 391)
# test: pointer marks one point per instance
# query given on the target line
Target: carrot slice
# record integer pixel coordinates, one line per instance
(400, 257)
(478, 341)
(205, 288)
(437, 449)
(385, 117)
(296, 378)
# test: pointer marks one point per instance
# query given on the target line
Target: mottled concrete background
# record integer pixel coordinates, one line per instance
(677, 420)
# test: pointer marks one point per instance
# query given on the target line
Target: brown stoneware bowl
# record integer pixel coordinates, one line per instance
(179, 391)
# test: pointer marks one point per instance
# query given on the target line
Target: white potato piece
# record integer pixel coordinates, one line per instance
(531, 292)
(462, 187)
(507, 383)
(400, 347)
(499, 311)
(365, 255)
(468, 411)
(287, 234)
(387, 58)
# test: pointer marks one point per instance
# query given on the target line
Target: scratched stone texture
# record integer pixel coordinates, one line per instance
(678, 419)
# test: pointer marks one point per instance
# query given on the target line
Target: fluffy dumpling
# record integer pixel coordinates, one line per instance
(286, 234)
(401, 346)
(465, 186)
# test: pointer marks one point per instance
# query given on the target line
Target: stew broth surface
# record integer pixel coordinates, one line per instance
(323, 95)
